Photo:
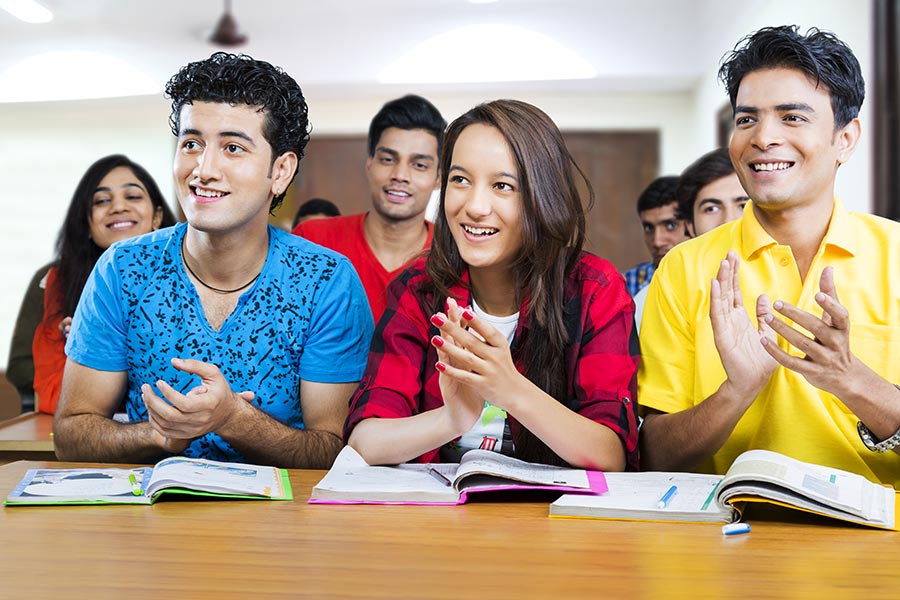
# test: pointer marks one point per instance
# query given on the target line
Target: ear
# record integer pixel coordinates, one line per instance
(283, 170)
(846, 139)
(369, 161)
(157, 217)
(689, 228)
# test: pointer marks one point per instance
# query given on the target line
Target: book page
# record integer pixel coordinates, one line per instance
(636, 496)
(485, 462)
(839, 489)
(350, 479)
(216, 477)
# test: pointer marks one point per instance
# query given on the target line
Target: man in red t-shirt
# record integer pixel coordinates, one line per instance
(402, 169)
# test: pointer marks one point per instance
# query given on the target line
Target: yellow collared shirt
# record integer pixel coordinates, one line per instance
(680, 366)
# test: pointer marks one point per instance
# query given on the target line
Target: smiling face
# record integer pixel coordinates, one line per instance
(784, 147)
(482, 202)
(718, 202)
(121, 208)
(402, 173)
(224, 175)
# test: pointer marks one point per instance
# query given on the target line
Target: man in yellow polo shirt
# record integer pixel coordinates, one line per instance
(806, 367)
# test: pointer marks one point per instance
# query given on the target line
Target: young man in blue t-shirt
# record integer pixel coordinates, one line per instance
(227, 338)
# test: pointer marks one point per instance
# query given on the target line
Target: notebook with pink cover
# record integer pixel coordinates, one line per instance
(352, 481)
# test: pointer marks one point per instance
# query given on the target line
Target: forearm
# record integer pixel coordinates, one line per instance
(682, 440)
(874, 400)
(96, 438)
(265, 440)
(579, 441)
(396, 441)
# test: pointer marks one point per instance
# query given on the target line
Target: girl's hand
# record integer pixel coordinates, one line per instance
(479, 363)
(462, 405)
(65, 326)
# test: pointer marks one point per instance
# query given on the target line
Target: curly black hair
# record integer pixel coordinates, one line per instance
(239, 79)
(819, 54)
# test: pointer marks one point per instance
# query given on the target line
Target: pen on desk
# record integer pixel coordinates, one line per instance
(664, 501)
(437, 475)
(135, 486)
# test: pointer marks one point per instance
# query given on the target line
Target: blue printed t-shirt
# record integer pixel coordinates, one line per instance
(305, 317)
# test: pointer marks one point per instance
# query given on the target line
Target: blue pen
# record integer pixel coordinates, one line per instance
(664, 501)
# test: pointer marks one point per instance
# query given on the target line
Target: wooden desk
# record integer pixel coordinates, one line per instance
(255, 549)
(27, 437)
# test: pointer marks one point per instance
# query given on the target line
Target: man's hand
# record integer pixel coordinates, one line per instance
(206, 407)
(747, 365)
(828, 363)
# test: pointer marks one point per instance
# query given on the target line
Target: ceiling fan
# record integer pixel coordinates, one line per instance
(226, 32)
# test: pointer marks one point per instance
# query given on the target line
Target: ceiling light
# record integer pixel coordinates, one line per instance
(73, 76)
(487, 53)
(27, 10)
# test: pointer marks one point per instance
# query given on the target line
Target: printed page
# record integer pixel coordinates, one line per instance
(216, 477)
(485, 462)
(839, 489)
(636, 496)
(352, 480)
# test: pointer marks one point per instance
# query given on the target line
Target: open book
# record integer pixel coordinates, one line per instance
(352, 481)
(144, 485)
(755, 476)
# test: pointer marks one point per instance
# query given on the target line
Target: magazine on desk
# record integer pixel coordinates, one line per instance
(755, 476)
(352, 481)
(144, 485)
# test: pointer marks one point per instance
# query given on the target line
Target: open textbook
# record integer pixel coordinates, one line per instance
(755, 476)
(352, 481)
(144, 485)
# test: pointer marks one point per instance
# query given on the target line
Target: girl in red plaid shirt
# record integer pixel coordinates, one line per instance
(507, 336)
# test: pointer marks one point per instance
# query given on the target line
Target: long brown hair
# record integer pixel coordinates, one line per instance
(553, 224)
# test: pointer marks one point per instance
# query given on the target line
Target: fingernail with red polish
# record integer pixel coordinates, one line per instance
(437, 320)
(437, 341)
(468, 315)
(440, 366)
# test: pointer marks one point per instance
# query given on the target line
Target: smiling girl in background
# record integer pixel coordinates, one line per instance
(116, 199)
(507, 337)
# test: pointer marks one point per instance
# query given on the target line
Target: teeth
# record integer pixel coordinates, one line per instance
(398, 193)
(480, 230)
(779, 166)
(121, 225)
(208, 193)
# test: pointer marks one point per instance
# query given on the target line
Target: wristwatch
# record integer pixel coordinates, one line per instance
(869, 440)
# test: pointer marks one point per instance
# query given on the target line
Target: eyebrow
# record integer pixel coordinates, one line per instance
(394, 153)
(225, 134)
(791, 106)
(105, 188)
(499, 174)
(720, 201)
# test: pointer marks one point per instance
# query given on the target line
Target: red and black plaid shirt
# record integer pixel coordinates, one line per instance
(601, 358)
